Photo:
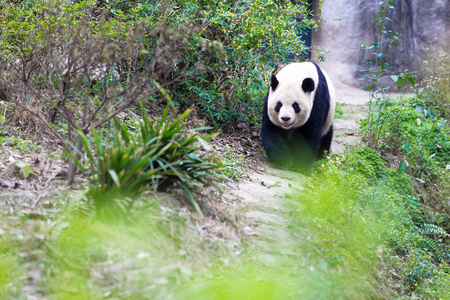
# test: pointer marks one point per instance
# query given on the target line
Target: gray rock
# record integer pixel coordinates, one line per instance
(425, 25)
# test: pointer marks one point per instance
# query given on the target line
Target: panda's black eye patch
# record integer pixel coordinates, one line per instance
(278, 106)
(296, 107)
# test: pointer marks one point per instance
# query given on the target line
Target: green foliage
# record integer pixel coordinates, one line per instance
(338, 112)
(361, 216)
(378, 66)
(414, 132)
(71, 66)
(111, 259)
(10, 271)
(400, 181)
(68, 270)
(18, 143)
(249, 37)
(163, 156)
(414, 141)
(434, 90)
(343, 231)
(369, 163)
(432, 244)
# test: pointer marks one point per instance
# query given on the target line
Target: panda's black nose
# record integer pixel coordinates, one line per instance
(285, 118)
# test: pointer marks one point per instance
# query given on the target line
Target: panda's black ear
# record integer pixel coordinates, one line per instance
(273, 82)
(308, 85)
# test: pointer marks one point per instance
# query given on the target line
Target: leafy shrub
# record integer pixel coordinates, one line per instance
(70, 66)
(252, 36)
(369, 162)
(413, 132)
(162, 156)
(379, 68)
(400, 181)
(368, 234)
(434, 90)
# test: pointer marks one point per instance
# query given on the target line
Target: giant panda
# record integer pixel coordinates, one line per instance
(297, 121)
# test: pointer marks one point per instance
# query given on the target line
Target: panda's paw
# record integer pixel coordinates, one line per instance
(305, 170)
(284, 164)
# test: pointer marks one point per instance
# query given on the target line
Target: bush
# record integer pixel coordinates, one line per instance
(368, 235)
(414, 134)
(253, 38)
(434, 90)
(414, 141)
(71, 66)
(162, 156)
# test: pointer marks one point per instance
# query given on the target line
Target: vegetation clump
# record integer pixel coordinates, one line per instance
(160, 156)
(434, 91)
(83, 77)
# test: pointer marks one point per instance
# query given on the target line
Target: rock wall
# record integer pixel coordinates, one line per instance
(346, 25)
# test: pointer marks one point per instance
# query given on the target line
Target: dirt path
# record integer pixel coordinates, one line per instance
(264, 193)
(264, 196)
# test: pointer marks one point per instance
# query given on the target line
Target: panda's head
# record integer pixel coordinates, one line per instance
(290, 100)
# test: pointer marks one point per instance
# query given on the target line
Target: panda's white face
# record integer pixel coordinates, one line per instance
(289, 107)
(290, 104)
(291, 96)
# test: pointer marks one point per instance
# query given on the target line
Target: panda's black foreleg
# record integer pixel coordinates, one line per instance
(277, 150)
(325, 144)
(304, 149)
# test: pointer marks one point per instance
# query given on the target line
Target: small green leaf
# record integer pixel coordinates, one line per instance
(114, 177)
(394, 78)
(400, 83)
(25, 167)
(26, 171)
(204, 144)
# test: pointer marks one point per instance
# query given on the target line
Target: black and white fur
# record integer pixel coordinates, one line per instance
(297, 123)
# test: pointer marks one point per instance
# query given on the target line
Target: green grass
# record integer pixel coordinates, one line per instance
(10, 267)
(338, 112)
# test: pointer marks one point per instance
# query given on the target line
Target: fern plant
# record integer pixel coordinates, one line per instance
(432, 243)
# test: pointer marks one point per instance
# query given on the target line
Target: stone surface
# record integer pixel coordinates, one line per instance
(425, 25)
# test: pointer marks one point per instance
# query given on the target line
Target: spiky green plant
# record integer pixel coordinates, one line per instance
(177, 160)
(117, 170)
(165, 155)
